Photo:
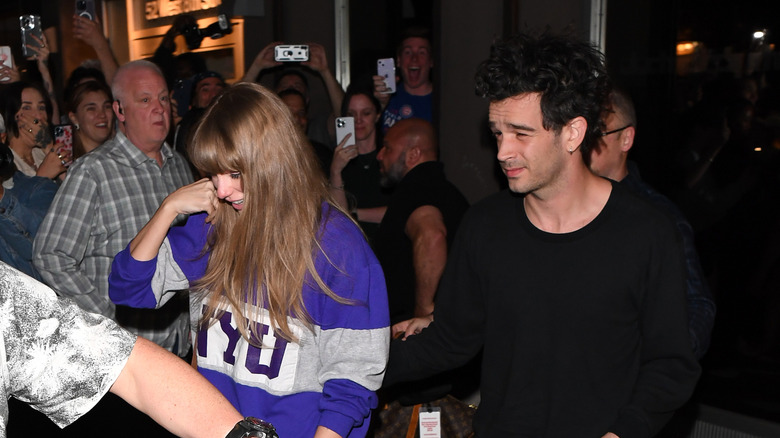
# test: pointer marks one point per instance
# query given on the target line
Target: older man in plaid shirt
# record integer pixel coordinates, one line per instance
(108, 196)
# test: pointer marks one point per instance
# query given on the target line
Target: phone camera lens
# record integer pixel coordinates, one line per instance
(288, 53)
(81, 5)
(340, 123)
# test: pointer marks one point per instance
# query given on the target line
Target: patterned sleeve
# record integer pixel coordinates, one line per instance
(60, 359)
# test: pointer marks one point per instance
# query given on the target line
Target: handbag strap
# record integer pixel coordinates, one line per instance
(413, 423)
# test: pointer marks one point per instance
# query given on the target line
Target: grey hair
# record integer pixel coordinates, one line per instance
(119, 83)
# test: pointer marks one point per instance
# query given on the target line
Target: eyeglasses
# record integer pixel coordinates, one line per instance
(604, 134)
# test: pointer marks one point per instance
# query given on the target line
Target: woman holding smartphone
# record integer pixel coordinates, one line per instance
(26, 112)
(354, 171)
(288, 299)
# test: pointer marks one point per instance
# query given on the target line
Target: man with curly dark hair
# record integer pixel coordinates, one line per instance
(572, 286)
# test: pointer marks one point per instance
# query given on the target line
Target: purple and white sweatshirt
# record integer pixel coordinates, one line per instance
(328, 378)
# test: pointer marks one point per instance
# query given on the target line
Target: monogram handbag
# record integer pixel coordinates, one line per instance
(397, 421)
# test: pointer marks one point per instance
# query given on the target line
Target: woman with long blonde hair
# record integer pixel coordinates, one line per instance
(288, 300)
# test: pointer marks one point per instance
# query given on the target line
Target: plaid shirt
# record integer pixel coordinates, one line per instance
(108, 196)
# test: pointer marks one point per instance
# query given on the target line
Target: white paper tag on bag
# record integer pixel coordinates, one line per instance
(430, 422)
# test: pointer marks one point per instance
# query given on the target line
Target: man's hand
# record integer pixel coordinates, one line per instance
(380, 91)
(318, 60)
(410, 327)
(182, 22)
(265, 58)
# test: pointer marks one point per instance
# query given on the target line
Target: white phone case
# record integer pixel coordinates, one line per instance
(288, 53)
(344, 126)
(386, 68)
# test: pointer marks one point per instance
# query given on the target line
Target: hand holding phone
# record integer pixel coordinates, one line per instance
(86, 9)
(6, 61)
(30, 26)
(63, 143)
(344, 126)
(386, 68)
(291, 53)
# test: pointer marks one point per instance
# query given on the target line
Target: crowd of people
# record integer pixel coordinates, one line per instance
(306, 280)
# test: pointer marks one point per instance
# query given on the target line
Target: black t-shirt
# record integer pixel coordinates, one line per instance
(425, 184)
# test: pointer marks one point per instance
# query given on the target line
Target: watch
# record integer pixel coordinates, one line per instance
(253, 427)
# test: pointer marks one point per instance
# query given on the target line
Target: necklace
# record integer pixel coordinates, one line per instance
(365, 160)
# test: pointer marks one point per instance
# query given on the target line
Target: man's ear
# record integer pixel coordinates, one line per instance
(118, 111)
(627, 139)
(574, 133)
(412, 156)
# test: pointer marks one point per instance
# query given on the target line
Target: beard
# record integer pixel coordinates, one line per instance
(392, 176)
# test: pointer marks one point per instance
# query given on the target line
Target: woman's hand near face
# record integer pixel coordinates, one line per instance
(35, 131)
(194, 198)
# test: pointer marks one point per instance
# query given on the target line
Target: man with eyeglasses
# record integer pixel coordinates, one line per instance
(609, 158)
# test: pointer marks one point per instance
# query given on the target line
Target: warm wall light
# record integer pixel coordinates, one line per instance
(686, 47)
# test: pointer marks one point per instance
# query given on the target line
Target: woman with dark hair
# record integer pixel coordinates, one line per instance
(26, 111)
(354, 171)
(90, 110)
(292, 306)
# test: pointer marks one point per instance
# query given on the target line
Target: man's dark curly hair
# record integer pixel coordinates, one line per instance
(570, 75)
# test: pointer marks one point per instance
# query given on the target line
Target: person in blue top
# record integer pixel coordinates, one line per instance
(24, 201)
(414, 94)
(288, 301)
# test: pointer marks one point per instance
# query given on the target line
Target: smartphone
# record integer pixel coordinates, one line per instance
(288, 53)
(385, 67)
(63, 140)
(182, 94)
(30, 25)
(344, 126)
(6, 59)
(86, 9)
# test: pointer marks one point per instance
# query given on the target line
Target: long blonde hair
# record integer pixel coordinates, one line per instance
(263, 255)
